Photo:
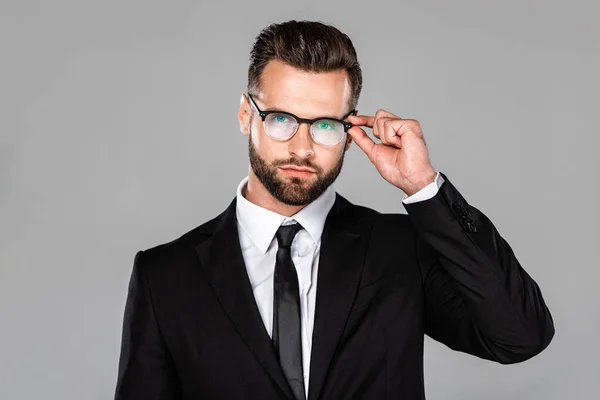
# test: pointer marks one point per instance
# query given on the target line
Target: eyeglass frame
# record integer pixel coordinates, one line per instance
(263, 114)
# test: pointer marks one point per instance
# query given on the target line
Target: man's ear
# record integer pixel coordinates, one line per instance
(349, 138)
(348, 143)
(244, 115)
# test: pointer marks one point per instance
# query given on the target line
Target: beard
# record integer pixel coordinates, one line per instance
(292, 191)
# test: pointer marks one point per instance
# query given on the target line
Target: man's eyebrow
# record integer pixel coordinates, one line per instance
(281, 109)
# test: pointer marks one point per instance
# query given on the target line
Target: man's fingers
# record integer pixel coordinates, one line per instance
(362, 120)
(391, 132)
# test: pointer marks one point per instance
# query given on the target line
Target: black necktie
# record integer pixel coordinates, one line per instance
(286, 336)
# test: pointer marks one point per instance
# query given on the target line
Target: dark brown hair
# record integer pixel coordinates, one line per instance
(306, 45)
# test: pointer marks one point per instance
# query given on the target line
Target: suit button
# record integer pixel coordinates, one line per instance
(471, 225)
(459, 210)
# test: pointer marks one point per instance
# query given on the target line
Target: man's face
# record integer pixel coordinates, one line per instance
(307, 95)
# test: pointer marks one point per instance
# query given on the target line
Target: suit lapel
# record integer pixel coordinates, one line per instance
(341, 260)
(221, 257)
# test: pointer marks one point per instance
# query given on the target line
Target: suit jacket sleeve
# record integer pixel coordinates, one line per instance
(478, 298)
(146, 370)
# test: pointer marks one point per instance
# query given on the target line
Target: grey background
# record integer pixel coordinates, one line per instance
(118, 132)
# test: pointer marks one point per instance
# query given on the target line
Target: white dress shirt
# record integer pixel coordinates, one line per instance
(257, 227)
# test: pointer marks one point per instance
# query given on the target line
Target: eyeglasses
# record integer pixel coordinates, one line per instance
(281, 125)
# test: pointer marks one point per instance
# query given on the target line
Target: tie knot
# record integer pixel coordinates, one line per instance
(285, 234)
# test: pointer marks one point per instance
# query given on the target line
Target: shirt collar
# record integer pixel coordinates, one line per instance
(261, 224)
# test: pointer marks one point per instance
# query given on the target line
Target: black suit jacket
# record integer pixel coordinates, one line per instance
(192, 329)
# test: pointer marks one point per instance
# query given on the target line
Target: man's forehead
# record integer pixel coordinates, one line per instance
(284, 87)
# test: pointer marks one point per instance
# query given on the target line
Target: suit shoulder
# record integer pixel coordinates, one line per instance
(396, 218)
(180, 247)
(382, 221)
(396, 222)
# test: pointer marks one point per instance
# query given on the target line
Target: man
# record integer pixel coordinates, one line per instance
(294, 292)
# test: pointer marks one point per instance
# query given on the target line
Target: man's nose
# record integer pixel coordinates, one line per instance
(301, 144)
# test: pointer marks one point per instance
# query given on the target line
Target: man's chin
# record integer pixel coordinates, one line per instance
(296, 192)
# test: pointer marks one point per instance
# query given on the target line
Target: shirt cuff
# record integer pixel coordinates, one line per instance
(427, 192)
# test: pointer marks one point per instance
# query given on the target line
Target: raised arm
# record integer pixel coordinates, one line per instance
(478, 298)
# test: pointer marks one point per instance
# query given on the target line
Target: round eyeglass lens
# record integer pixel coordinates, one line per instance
(280, 126)
(327, 132)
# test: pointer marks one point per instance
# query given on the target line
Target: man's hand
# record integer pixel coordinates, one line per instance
(401, 158)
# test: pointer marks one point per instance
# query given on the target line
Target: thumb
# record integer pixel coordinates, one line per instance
(363, 141)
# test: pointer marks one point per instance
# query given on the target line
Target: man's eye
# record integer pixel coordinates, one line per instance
(324, 125)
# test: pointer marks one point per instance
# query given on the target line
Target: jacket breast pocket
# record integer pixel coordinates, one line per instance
(376, 291)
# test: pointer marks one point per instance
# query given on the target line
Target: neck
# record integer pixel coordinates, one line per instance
(256, 193)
